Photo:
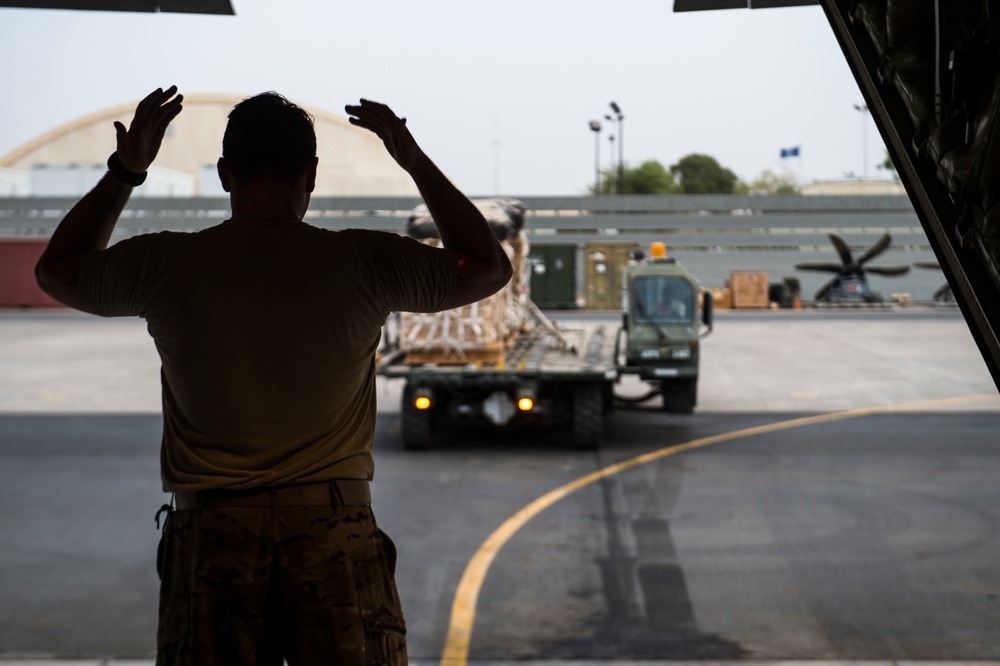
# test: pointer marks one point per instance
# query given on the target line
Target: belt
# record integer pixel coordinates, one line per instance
(335, 493)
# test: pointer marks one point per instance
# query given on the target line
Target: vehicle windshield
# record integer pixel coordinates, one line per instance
(663, 299)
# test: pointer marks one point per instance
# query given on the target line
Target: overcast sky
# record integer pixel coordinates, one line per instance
(499, 94)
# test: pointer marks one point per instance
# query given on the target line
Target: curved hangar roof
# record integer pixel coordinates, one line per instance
(352, 161)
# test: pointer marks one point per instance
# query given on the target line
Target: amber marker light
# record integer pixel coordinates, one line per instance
(525, 404)
(422, 402)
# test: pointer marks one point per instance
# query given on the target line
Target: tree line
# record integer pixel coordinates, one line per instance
(692, 174)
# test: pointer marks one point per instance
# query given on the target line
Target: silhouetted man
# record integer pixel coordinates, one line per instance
(266, 329)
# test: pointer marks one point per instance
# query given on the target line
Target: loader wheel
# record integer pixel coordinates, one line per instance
(680, 397)
(588, 416)
(416, 423)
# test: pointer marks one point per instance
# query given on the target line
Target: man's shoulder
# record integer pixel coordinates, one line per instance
(372, 234)
(364, 240)
(375, 237)
(149, 239)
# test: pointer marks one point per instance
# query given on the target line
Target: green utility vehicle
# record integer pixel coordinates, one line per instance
(661, 328)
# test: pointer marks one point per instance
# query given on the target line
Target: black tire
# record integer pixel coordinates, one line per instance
(588, 416)
(680, 397)
(417, 425)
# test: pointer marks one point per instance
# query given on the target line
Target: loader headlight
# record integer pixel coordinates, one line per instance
(422, 400)
(649, 354)
(526, 399)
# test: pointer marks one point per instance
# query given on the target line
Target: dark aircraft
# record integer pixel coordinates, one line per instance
(943, 294)
(850, 285)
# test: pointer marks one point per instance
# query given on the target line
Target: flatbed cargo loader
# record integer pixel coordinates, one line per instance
(560, 376)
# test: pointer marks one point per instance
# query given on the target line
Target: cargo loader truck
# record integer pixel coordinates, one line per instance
(458, 370)
(661, 329)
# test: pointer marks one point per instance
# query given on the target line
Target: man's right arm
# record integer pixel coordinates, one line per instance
(482, 267)
(87, 227)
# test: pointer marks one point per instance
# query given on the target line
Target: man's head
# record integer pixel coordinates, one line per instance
(268, 138)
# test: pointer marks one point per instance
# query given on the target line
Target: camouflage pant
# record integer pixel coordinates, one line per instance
(253, 586)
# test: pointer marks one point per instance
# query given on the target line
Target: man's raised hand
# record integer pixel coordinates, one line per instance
(380, 119)
(139, 144)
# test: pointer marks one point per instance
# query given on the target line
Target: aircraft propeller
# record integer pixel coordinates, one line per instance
(849, 267)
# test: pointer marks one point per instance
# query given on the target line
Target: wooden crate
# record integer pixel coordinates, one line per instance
(722, 298)
(749, 289)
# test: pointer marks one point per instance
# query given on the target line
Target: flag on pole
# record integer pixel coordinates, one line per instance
(790, 152)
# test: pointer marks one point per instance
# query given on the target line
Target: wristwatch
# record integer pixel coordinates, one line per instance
(121, 173)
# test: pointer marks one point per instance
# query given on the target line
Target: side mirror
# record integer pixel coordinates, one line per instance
(625, 307)
(706, 310)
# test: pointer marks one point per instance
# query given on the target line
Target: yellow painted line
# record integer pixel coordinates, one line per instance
(463, 608)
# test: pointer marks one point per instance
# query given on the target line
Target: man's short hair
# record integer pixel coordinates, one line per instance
(268, 137)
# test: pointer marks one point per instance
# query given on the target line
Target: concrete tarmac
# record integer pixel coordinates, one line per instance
(754, 361)
(70, 381)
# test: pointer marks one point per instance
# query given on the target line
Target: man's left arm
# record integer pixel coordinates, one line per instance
(87, 227)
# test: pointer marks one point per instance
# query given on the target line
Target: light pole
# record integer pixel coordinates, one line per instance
(595, 126)
(611, 159)
(621, 148)
(612, 188)
(863, 109)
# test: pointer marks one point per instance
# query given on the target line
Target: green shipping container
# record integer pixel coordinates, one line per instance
(553, 276)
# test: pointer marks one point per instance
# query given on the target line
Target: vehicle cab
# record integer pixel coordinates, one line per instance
(663, 315)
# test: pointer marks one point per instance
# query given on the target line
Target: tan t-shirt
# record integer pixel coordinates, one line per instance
(267, 331)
